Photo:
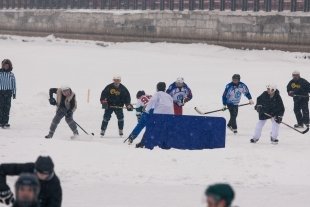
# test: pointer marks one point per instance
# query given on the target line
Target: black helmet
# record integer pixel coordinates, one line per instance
(7, 61)
(44, 164)
(140, 93)
(161, 86)
(27, 179)
(236, 77)
(221, 191)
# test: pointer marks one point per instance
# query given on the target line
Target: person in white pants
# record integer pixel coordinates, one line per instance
(269, 106)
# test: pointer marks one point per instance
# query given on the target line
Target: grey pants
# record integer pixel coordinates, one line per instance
(61, 113)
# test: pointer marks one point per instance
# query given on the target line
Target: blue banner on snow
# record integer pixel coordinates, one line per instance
(184, 132)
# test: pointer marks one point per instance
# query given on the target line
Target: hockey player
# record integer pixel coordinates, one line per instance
(7, 90)
(51, 192)
(269, 106)
(27, 188)
(142, 101)
(180, 93)
(299, 89)
(160, 103)
(66, 105)
(113, 98)
(219, 195)
(231, 99)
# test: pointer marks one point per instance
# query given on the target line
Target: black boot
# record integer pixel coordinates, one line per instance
(253, 140)
(139, 145)
(298, 126)
(274, 141)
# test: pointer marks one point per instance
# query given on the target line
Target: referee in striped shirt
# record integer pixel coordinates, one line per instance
(7, 91)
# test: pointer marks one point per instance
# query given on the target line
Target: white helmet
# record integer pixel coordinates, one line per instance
(272, 87)
(296, 72)
(180, 80)
(65, 87)
(117, 77)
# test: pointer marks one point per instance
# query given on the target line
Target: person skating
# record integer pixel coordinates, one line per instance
(142, 101)
(231, 99)
(160, 103)
(219, 195)
(66, 106)
(113, 98)
(269, 105)
(7, 91)
(180, 93)
(299, 89)
(27, 189)
(51, 192)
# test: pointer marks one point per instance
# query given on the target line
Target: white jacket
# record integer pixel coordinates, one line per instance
(161, 102)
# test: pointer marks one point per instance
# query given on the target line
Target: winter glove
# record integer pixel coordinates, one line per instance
(6, 197)
(105, 104)
(14, 96)
(291, 93)
(129, 107)
(259, 108)
(278, 119)
(251, 102)
(186, 100)
(52, 101)
(69, 113)
(224, 108)
(180, 102)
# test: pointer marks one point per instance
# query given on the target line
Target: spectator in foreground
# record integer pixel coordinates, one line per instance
(219, 195)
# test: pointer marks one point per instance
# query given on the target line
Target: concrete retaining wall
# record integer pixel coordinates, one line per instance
(286, 31)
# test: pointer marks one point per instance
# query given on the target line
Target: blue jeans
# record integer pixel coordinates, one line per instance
(140, 125)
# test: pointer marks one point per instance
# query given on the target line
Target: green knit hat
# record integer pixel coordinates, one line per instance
(221, 191)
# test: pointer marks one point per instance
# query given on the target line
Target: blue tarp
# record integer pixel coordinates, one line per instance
(184, 132)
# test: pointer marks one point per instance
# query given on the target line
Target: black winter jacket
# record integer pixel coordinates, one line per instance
(300, 87)
(50, 193)
(270, 105)
(34, 205)
(116, 96)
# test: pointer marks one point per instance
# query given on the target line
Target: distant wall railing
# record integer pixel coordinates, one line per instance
(222, 5)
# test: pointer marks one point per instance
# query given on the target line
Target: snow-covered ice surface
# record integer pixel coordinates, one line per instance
(106, 172)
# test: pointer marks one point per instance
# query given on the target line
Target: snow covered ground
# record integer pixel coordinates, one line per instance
(106, 172)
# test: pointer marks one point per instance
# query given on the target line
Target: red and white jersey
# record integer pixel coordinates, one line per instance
(143, 101)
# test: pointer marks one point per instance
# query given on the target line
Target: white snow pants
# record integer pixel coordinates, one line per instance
(259, 126)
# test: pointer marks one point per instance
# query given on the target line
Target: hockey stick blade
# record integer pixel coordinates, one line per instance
(301, 132)
(198, 111)
(289, 126)
(304, 132)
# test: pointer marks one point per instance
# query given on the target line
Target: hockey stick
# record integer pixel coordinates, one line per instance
(210, 112)
(83, 129)
(301, 132)
(301, 96)
(117, 107)
(120, 107)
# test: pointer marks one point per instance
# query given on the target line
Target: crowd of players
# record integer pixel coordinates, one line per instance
(115, 97)
(39, 186)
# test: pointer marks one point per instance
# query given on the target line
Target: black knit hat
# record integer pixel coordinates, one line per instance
(44, 164)
(27, 179)
(140, 93)
(221, 191)
(161, 86)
